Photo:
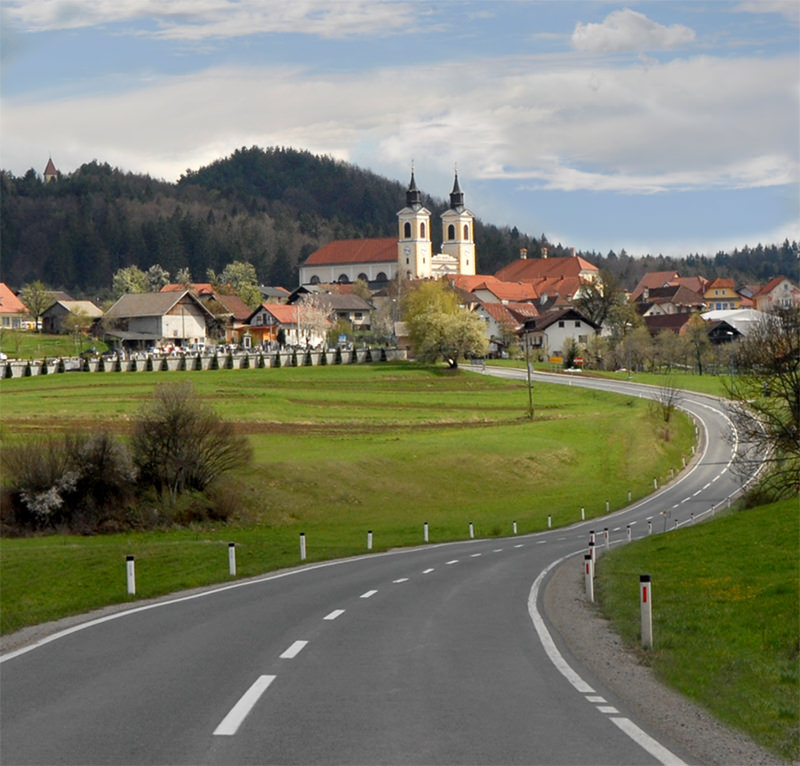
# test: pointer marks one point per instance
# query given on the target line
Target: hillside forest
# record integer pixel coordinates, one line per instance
(267, 207)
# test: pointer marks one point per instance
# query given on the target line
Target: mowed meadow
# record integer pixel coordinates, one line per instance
(338, 451)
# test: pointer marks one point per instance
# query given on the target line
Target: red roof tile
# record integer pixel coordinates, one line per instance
(355, 251)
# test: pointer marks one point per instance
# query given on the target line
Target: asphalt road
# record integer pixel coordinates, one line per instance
(433, 655)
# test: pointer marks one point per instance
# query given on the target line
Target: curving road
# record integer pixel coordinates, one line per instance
(432, 655)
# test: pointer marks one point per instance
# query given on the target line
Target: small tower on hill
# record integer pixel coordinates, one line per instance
(50, 172)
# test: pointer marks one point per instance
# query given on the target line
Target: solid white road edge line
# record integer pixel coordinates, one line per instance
(642, 739)
(229, 725)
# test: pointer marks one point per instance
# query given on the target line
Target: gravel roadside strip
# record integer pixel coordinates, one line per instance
(596, 646)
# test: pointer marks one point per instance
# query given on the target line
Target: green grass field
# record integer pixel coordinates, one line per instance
(726, 605)
(340, 450)
(22, 344)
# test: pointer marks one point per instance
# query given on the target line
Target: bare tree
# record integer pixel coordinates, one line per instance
(180, 444)
(764, 388)
(669, 397)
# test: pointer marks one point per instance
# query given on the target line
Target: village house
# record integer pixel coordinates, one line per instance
(54, 316)
(549, 333)
(138, 321)
(275, 324)
(14, 315)
(779, 292)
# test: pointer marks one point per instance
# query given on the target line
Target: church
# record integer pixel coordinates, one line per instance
(410, 255)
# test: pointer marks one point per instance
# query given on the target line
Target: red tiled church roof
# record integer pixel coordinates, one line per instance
(355, 251)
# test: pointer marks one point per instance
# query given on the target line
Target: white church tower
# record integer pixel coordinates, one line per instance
(457, 232)
(414, 241)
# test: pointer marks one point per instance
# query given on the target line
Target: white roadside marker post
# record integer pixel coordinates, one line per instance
(608, 506)
(549, 521)
(605, 536)
(471, 531)
(628, 532)
(302, 546)
(369, 539)
(650, 525)
(591, 552)
(588, 576)
(591, 537)
(232, 559)
(130, 570)
(515, 527)
(425, 531)
(646, 600)
(583, 513)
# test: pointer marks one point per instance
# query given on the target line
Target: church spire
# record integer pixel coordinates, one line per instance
(456, 196)
(413, 196)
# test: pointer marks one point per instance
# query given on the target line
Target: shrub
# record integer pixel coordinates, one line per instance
(77, 481)
(180, 444)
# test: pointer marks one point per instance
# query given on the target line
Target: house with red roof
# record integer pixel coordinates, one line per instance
(533, 270)
(346, 260)
(14, 315)
(721, 295)
(271, 320)
(779, 292)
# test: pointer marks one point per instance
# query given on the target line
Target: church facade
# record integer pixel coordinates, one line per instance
(410, 255)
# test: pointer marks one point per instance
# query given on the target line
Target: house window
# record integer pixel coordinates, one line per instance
(451, 231)
(583, 339)
(315, 280)
(560, 322)
(577, 323)
(359, 315)
(406, 230)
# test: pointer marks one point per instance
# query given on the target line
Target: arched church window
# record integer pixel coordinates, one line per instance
(381, 277)
(343, 279)
(466, 231)
(407, 230)
(363, 276)
(315, 280)
(451, 231)
(422, 231)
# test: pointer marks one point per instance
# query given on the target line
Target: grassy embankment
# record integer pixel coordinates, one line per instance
(726, 605)
(339, 450)
(22, 344)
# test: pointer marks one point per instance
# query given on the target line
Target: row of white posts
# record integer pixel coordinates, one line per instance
(645, 585)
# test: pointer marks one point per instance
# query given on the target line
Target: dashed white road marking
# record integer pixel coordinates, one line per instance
(428, 570)
(368, 594)
(400, 579)
(497, 550)
(609, 709)
(294, 650)
(334, 614)
(520, 545)
(595, 698)
(542, 542)
(230, 724)
(475, 555)
(452, 561)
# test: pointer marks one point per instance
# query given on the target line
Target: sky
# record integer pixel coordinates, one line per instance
(662, 126)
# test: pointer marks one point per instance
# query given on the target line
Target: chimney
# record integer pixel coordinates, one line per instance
(523, 253)
(572, 251)
(544, 252)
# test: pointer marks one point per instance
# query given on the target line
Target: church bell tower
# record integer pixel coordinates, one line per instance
(457, 231)
(414, 236)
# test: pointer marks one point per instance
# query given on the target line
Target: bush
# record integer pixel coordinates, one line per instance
(78, 482)
(180, 444)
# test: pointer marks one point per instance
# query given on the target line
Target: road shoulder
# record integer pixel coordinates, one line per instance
(597, 647)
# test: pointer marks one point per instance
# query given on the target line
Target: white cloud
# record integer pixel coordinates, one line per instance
(701, 123)
(787, 8)
(203, 19)
(628, 31)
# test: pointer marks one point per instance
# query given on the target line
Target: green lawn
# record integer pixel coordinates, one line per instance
(340, 450)
(23, 344)
(726, 606)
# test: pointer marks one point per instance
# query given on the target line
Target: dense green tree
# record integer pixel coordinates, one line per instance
(441, 329)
